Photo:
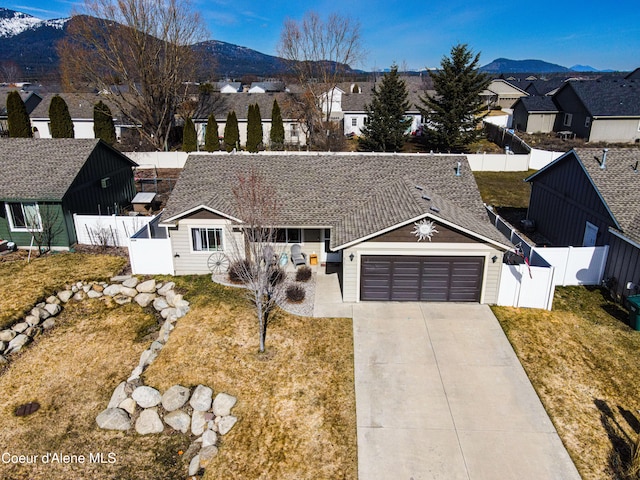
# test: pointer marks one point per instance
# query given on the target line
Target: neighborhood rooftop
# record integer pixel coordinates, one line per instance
(616, 98)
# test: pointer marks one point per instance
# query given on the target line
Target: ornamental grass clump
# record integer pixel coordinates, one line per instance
(295, 293)
(303, 274)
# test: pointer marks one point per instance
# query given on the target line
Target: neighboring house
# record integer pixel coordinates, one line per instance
(266, 87)
(535, 114)
(30, 99)
(502, 93)
(81, 111)
(600, 110)
(221, 105)
(48, 180)
(228, 87)
(363, 212)
(591, 197)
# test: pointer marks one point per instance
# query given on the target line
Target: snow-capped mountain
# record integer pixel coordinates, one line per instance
(14, 23)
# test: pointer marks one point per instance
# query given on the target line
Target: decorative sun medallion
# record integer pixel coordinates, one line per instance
(424, 229)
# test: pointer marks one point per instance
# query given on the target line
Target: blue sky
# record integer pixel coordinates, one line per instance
(603, 34)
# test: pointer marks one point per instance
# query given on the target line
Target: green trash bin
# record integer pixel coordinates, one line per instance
(633, 303)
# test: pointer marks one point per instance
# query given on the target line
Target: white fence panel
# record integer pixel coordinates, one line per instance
(498, 162)
(110, 230)
(574, 265)
(519, 288)
(158, 159)
(541, 158)
(151, 256)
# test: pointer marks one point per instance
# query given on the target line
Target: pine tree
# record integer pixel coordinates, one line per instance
(17, 116)
(387, 126)
(276, 136)
(61, 124)
(211, 140)
(452, 112)
(254, 129)
(103, 123)
(189, 137)
(231, 132)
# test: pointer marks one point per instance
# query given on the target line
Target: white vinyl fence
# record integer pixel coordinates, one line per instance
(107, 230)
(533, 286)
(150, 250)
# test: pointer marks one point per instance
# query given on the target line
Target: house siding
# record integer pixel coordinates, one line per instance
(623, 265)
(571, 196)
(568, 102)
(615, 130)
(62, 240)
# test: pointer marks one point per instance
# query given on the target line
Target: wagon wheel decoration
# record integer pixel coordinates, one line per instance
(218, 263)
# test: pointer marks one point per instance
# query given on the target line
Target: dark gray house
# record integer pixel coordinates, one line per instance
(591, 197)
(535, 114)
(48, 180)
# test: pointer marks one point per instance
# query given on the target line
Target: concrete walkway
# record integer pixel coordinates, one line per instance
(440, 394)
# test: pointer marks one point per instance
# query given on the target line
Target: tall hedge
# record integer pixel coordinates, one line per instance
(211, 140)
(231, 132)
(189, 137)
(103, 126)
(276, 136)
(254, 128)
(17, 116)
(60, 119)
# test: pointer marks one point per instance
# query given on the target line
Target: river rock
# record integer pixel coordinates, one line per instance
(94, 294)
(7, 335)
(144, 299)
(146, 397)
(79, 296)
(113, 419)
(128, 405)
(198, 423)
(222, 404)
(147, 287)
(201, 398)
(53, 309)
(48, 323)
(112, 290)
(149, 422)
(225, 424)
(122, 299)
(129, 292)
(207, 454)
(175, 397)
(166, 287)
(65, 295)
(209, 437)
(52, 299)
(17, 343)
(178, 420)
(20, 327)
(130, 282)
(159, 303)
(32, 320)
(147, 357)
(194, 466)
(118, 395)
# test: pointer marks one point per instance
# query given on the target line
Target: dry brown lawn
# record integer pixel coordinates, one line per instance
(584, 362)
(296, 403)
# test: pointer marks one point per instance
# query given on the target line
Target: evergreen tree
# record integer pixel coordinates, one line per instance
(231, 132)
(211, 140)
(17, 116)
(387, 127)
(61, 124)
(276, 136)
(189, 137)
(452, 111)
(103, 123)
(254, 129)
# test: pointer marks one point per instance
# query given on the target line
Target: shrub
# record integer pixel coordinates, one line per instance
(303, 274)
(295, 293)
(238, 271)
(277, 276)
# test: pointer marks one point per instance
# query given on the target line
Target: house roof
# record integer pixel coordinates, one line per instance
(608, 98)
(43, 169)
(355, 102)
(538, 104)
(221, 104)
(359, 195)
(618, 184)
(80, 105)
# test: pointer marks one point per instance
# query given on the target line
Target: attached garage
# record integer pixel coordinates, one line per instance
(421, 278)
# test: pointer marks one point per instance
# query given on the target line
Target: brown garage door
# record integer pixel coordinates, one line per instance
(425, 279)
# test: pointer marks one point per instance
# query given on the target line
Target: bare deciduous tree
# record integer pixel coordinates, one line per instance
(321, 52)
(255, 259)
(139, 52)
(45, 225)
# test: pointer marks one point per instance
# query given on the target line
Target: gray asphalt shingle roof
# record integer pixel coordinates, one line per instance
(41, 169)
(618, 184)
(613, 98)
(359, 195)
(80, 105)
(538, 104)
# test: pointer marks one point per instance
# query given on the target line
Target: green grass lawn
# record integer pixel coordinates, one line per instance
(584, 362)
(504, 189)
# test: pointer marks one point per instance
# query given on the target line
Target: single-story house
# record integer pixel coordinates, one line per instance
(502, 93)
(535, 114)
(591, 197)
(600, 110)
(400, 227)
(46, 181)
(31, 100)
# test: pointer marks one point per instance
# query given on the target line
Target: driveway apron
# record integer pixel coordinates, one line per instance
(440, 394)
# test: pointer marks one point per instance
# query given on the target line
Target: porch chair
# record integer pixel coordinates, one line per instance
(297, 257)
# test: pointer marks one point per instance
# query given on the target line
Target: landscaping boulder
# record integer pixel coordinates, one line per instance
(209, 437)
(128, 405)
(207, 454)
(53, 309)
(178, 420)
(20, 327)
(112, 290)
(65, 295)
(94, 294)
(222, 404)
(17, 343)
(225, 424)
(79, 296)
(7, 335)
(171, 296)
(159, 303)
(122, 299)
(129, 292)
(144, 299)
(175, 397)
(118, 395)
(146, 397)
(156, 346)
(3, 360)
(113, 419)
(120, 278)
(48, 323)
(201, 398)
(32, 320)
(194, 466)
(149, 422)
(198, 423)
(147, 287)
(3, 346)
(33, 332)
(147, 357)
(52, 299)
(130, 282)
(166, 287)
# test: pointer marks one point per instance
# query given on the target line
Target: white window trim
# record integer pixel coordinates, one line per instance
(12, 226)
(209, 227)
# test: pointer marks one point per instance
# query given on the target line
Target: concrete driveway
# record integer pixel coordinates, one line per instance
(440, 394)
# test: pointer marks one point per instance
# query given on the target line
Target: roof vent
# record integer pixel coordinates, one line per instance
(426, 197)
(603, 164)
(434, 209)
(458, 169)
(419, 187)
